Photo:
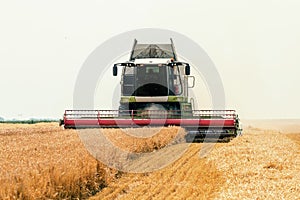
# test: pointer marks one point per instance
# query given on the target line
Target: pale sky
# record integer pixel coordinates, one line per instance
(254, 44)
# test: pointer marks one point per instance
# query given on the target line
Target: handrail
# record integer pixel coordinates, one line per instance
(138, 114)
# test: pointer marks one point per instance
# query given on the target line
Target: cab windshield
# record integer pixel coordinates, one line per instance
(151, 80)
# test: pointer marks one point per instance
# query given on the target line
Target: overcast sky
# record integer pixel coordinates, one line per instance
(254, 44)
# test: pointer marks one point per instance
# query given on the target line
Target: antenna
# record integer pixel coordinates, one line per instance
(173, 49)
(132, 51)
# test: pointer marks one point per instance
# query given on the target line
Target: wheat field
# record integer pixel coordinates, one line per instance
(264, 163)
(44, 161)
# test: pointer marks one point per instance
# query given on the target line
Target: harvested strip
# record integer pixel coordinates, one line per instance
(188, 178)
(295, 137)
(262, 164)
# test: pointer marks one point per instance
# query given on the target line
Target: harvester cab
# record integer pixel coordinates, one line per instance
(155, 92)
(153, 77)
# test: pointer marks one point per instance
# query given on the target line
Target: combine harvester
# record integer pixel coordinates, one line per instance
(154, 92)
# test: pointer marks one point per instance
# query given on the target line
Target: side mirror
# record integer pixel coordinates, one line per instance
(115, 70)
(187, 69)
